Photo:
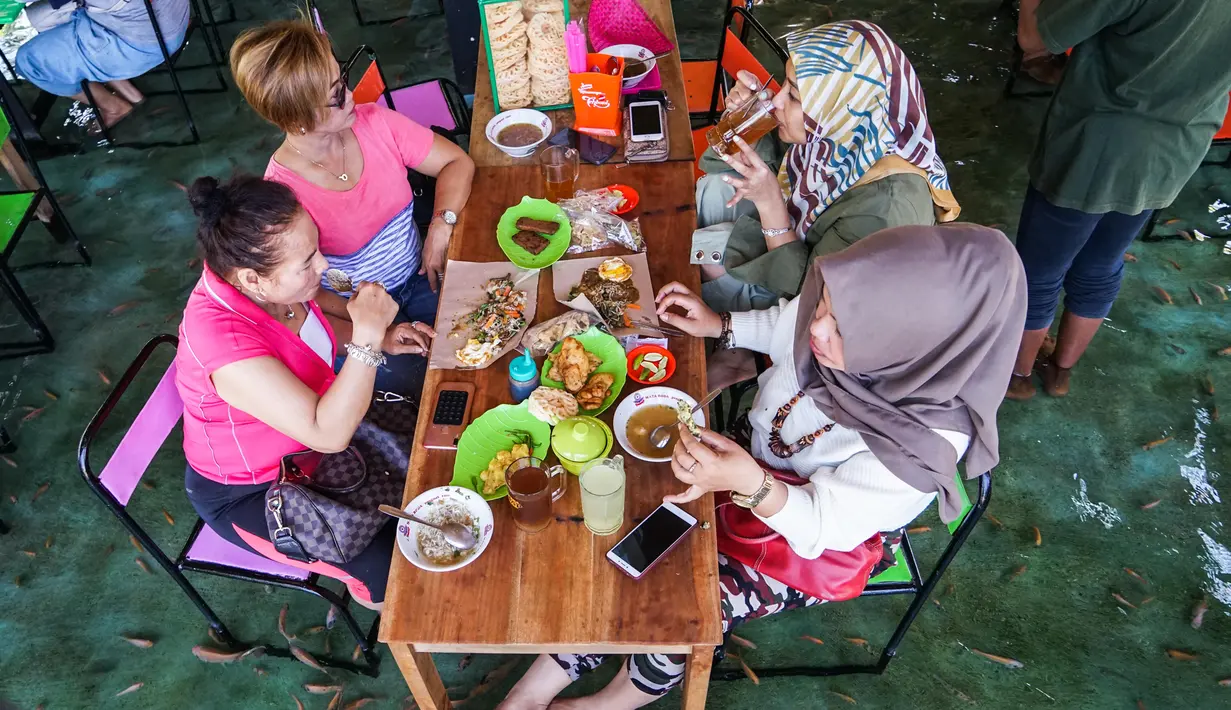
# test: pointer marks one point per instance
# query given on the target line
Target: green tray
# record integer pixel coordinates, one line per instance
(614, 361)
(486, 436)
(534, 209)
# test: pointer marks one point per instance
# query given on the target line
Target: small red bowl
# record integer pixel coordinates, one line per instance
(631, 198)
(637, 352)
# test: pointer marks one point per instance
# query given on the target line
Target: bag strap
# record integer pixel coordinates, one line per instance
(290, 470)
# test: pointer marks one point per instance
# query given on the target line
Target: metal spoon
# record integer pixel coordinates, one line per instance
(647, 60)
(459, 536)
(662, 434)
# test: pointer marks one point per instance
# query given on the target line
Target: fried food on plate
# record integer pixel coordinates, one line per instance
(493, 477)
(551, 405)
(572, 365)
(531, 242)
(592, 395)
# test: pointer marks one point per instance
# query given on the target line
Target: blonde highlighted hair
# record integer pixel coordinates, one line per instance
(284, 70)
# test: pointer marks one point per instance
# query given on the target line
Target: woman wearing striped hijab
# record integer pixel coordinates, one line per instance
(859, 157)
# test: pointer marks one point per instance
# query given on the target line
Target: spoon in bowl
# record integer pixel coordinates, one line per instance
(662, 434)
(459, 536)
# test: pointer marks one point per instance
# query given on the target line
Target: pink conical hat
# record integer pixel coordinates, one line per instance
(624, 22)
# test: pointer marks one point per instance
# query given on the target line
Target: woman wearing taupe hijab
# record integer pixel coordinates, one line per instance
(888, 368)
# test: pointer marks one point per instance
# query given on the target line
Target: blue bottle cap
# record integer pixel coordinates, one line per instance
(523, 369)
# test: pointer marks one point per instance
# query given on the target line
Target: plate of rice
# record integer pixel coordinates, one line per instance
(426, 547)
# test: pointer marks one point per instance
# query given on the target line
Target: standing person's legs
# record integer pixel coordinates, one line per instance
(746, 594)
(1090, 288)
(1048, 239)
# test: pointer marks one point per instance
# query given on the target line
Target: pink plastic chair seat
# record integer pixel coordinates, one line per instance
(211, 547)
(424, 104)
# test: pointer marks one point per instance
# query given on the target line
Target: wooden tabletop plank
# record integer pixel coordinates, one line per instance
(670, 69)
(554, 589)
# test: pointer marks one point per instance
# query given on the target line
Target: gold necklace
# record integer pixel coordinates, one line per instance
(343, 177)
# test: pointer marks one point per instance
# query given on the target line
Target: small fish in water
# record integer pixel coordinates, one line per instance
(1002, 660)
(814, 640)
(305, 658)
(464, 662)
(130, 689)
(137, 545)
(311, 631)
(1038, 536)
(144, 566)
(1145, 601)
(321, 688)
(339, 281)
(994, 521)
(1017, 572)
(1196, 296)
(741, 641)
(170, 520)
(1199, 613)
(1133, 573)
(1225, 682)
(845, 697)
(752, 676)
(258, 670)
(47, 543)
(356, 654)
(1208, 384)
(147, 485)
(1121, 600)
(212, 655)
(1225, 351)
(53, 396)
(282, 623)
(920, 529)
(298, 703)
(332, 617)
(40, 491)
(1162, 295)
(1128, 256)
(123, 307)
(356, 704)
(29, 553)
(858, 641)
(139, 643)
(12, 463)
(1181, 655)
(1151, 504)
(336, 703)
(1175, 264)
(1222, 292)
(103, 376)
(1178, 350)
(34, 414)
(1157, 442)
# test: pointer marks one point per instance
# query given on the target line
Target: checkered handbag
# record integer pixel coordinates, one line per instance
(324, 506)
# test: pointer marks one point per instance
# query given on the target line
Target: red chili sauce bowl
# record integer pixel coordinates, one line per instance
(635, 372)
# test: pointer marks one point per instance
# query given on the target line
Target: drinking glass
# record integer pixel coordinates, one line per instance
(559, 164)
(531, 491)
(602, 495)
(750, 121)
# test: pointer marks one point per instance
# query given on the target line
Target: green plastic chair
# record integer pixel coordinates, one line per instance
(16, 211)
(902, 578)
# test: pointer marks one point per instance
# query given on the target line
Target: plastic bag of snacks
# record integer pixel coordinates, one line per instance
(595, 227)
(541, 338)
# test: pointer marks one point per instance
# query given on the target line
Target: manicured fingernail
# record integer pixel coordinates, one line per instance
(726, 179)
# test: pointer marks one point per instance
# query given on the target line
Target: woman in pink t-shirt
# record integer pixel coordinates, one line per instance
(254, 365)
(348, 165)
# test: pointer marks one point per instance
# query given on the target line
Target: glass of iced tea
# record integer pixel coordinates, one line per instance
(559, 164)
(602, 495)
(750, 121)
(532, 491)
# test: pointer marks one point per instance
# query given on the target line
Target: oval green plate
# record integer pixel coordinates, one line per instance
(534, 209)
(487, 436)
(612, 353)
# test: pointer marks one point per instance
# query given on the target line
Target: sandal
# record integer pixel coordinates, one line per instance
(1045, 69)
(1055, 379)
(1021, 388)
(96, 128)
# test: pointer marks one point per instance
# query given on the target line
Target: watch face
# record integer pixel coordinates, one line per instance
(449, 216)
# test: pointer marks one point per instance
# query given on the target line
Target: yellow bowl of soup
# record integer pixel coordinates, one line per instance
(645, 409)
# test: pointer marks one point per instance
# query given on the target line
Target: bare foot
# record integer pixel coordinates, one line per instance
(125, 90)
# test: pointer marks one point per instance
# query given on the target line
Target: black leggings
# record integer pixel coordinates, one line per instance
(230, 509)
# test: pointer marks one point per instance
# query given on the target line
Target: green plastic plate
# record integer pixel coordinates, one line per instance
(614, 361)
(486, 436)
(534, 209)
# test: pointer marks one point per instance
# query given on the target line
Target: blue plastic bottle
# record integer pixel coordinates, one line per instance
(523, 376)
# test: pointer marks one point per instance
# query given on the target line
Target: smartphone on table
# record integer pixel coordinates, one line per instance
(646, 121)
(651, 540)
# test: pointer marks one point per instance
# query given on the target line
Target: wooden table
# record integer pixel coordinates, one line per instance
(672, 72)
(554, 591)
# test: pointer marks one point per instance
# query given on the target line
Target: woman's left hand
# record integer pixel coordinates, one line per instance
(435, 250)
(712, 463)
(408, 339)
(758, 183)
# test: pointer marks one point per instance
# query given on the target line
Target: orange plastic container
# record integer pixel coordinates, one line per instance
(596, 96)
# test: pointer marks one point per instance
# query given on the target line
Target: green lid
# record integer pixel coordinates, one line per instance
(580, 439)
(523, 369)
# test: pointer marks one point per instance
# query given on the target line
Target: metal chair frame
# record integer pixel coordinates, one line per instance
(388, 21)
(168, 65)
(176, 568)
(918, 586)
(720, 76)
(59, 227)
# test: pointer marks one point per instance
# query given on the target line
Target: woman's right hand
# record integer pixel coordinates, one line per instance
(371, 310)
(745, 86)
(698, 320)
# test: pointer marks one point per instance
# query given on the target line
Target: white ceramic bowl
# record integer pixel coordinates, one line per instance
(632, 51)
(421, 506)
(649, 396)
(518, 115)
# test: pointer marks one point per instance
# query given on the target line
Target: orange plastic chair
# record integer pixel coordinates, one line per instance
(1224, 133)
(371, 86)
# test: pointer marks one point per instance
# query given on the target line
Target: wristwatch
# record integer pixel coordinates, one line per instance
(449, 216)
(756, 498)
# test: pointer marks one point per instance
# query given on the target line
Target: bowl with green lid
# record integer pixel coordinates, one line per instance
(579, 440)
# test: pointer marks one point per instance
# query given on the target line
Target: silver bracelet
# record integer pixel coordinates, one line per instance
(771, 233)
(366, 355)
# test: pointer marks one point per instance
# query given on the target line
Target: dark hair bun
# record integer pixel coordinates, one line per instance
(208, 201)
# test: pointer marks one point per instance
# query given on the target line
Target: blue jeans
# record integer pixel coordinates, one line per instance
(59, 59)
(404, 374)
(1080, 251)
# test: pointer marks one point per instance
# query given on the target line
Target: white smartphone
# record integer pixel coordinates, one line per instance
(650, 541)
(646, 120)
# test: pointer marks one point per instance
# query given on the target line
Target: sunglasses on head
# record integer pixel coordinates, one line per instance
(337, 98)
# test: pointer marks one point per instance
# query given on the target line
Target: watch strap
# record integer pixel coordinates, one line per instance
(752, 501)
